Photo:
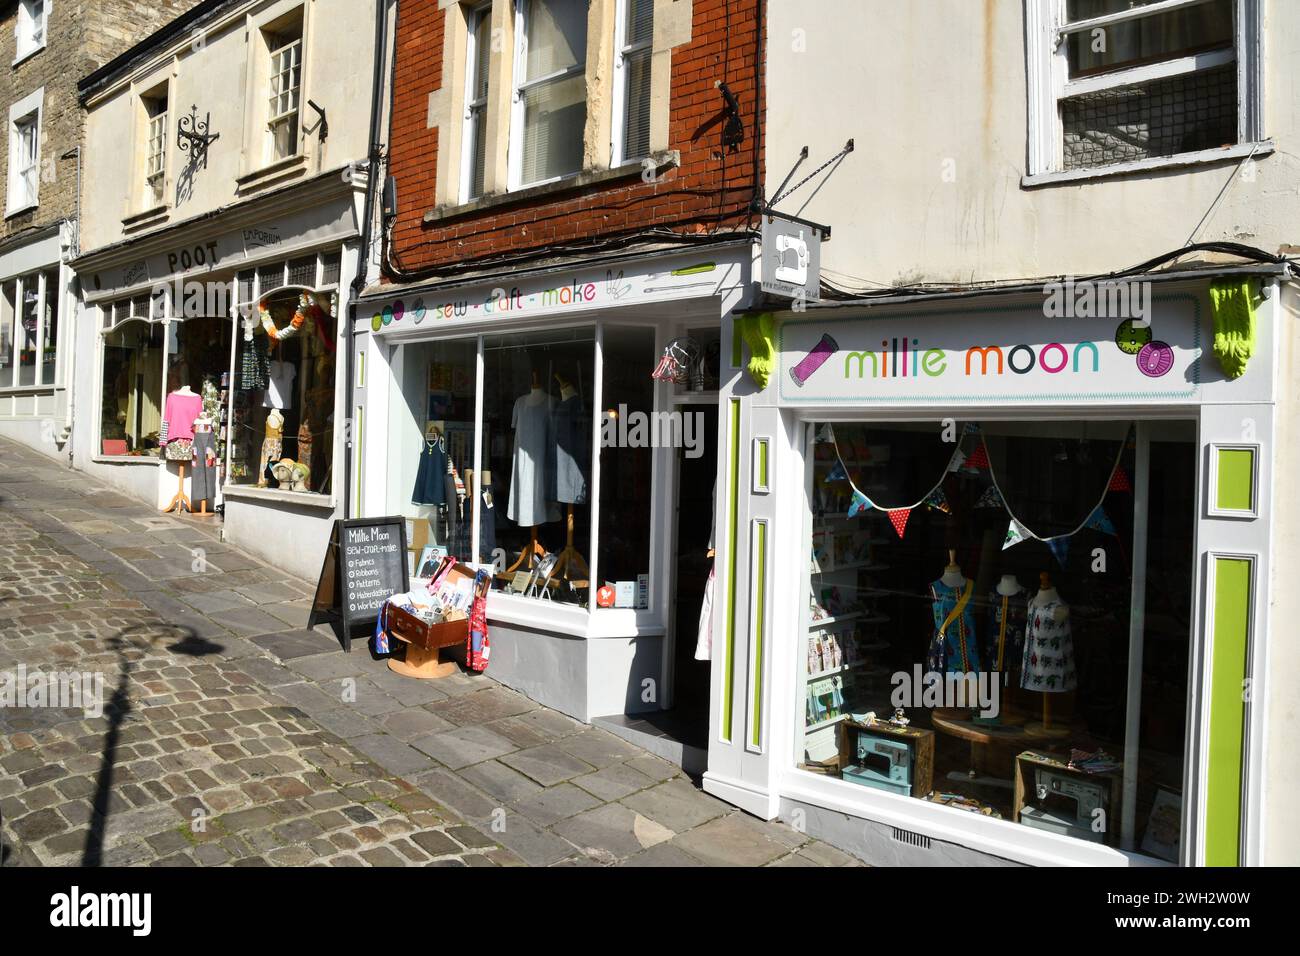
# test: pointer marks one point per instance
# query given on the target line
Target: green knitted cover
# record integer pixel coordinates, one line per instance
(757, 331)
(1234, 324)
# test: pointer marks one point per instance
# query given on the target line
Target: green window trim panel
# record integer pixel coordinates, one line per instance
(760, 622)
(733, 491)
(1233, 585)
(1235, 479)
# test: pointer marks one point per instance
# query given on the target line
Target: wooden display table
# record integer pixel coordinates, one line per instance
(957, 723)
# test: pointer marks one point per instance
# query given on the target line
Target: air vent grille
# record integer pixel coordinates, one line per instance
(911, 839)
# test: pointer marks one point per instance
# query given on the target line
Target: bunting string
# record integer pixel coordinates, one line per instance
(1017, 530)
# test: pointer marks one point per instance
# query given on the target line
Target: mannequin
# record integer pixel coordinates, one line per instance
(272, 444)
(1048, 663)
(570, 480)
(203, 485)
(180, 411)
(953, 648)
(532, 469)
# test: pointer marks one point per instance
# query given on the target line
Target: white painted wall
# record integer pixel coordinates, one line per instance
(919, 83)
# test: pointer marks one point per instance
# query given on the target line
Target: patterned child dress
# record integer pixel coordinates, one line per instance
(1049, 652)
(953, 646)
(1005, 640)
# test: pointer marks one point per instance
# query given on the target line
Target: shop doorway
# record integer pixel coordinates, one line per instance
(679, 732)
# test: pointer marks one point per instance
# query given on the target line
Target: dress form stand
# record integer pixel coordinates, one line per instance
(952, 575)
(571, 566)
(1046, 729)
(180, 503)
(202, 424)
(525, 561)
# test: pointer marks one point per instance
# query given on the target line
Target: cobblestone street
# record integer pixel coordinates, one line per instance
(232, 735)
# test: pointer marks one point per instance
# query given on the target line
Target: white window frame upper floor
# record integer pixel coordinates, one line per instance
(260, 163)
(27, 113)
(1048, 84)
(522, 83)
(475, 121)
(31, 28)
(623, 52)
(157, 143)
(499, 115)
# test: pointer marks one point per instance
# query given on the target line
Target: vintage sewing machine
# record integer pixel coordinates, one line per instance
(1067, 803)
(891, 757)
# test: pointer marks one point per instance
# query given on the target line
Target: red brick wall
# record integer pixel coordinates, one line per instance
(711, 188)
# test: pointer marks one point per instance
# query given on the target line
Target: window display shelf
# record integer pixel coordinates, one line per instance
(856, 566)
(865, 617)
(842, 669)
(828, 722)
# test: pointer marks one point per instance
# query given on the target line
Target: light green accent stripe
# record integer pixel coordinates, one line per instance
(1231, 612)
(728, 656)
(760, 621)
(357, 459)
(1236, 469)
(762, 463)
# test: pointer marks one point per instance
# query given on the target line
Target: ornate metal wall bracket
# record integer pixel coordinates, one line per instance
(192, 137)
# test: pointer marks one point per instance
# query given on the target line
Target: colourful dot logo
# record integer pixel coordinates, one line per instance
(388, 314)
(399, 310)
(1131, 338)
(376, 322)
(1155, 359)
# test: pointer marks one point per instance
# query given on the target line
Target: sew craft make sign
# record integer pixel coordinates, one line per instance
(995, 356)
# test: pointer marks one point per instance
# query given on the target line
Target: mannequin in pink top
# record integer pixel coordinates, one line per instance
(179, 411)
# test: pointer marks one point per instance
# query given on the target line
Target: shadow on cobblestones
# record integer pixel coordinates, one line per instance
(138, 638)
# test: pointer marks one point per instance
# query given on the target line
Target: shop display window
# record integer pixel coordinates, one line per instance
(281, 430)
(9, 333)
(48, 351)
(431, 451)
(538, 436)
(629, 434)
(974, 614)
(538, 402)
(132, 398)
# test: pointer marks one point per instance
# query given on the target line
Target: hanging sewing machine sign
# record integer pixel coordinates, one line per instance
(996, 355)
(792, 257)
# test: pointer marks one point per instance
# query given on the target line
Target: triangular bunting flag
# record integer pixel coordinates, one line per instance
(1119, 481)
(1100, 521)
(1060, 548)
(826, 434)
(1016, 533)
(971, 428)
(898, 517)
(859, 504)
(979, 458)
(957, 458)
(837, 473)
(938, 501)
(992, 498)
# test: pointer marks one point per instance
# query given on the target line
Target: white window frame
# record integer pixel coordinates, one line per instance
(30, 32)
(520, 85)
(22, 195)
(468, 133)
(622, 50)
(1048, 85)
(274, 116)
(155, 147)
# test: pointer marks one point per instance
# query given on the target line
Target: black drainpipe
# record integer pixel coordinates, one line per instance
(359, 280)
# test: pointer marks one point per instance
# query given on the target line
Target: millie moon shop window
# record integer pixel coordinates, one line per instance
(969, 621)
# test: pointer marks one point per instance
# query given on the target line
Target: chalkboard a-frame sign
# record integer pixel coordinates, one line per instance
(365, 564)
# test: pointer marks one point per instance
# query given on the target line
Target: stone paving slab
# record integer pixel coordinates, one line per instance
(242, 738)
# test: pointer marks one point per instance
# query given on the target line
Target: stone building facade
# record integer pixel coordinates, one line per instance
(48, 44)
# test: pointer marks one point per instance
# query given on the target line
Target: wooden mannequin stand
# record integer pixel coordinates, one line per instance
(525, 561)
(181, 502)
(571, 566)
(422, 663)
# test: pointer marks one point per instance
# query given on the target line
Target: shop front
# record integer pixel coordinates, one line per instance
(34, 369)
(515, 423)
(213, 352)
(1002, 576)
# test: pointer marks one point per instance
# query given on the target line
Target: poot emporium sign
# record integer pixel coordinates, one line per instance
(994, 355)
